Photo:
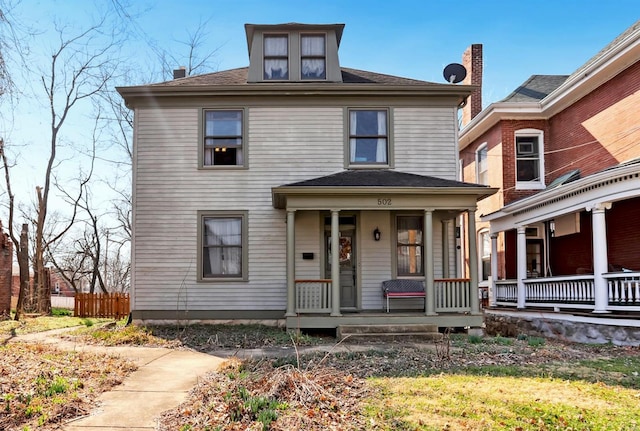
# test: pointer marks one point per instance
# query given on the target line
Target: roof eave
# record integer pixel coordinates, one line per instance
(556, 192)
(293, 89)
(493, 114)
(280, 193)
(608, 64)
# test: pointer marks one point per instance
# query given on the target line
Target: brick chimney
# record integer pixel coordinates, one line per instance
(472, 61)
(180, 73)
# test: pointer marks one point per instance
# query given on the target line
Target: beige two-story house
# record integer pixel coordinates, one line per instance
(289, 190)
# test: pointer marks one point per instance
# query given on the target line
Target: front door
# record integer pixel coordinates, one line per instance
(347, 263)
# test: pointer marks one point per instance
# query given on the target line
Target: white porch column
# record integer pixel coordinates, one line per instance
(335, 263)
(600, 263)
(446, 272)
(521, 264)
(473, 262)
(291, 263)
(430, 291)
(494, 269)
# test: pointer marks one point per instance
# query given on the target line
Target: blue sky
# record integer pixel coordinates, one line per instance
(410, 38)
(417, 38)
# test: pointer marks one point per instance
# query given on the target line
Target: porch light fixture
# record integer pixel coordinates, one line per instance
(376, 234)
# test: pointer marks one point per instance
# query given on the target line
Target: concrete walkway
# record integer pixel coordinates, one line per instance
(161, 382)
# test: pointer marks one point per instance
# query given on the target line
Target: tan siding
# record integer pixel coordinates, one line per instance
(424, 141)
(375, 257)
(283, 146)
(308, 240)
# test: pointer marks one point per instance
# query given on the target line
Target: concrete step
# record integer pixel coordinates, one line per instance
(392, 336)
(418, 331)
(381, 329)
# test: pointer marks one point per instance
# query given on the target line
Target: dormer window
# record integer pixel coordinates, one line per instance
(313, 56)
(276, 57)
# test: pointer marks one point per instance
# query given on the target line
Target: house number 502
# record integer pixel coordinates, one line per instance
(384, 202)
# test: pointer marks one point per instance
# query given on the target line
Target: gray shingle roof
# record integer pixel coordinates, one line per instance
(379, 178)
(239, 77)
(536, 88)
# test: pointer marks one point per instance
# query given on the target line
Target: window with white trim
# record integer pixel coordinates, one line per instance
(313, 61)
(482, 165)
(484, 240)
(222, 244)
(222, 136)
(276, 57)
(409, 243)
(529, 159)
(368, 136)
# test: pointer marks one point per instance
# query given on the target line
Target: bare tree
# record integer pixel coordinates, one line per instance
(21, 245)
(81, 68)
(194, 58)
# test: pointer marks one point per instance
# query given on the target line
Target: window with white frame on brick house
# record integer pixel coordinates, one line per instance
(482, 165)
(529, 145)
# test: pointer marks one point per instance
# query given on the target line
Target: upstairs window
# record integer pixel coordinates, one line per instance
(313, 56)
(529, 159)
(276, 57)
(482, 165)
(223, 138)
(368, 138)
(409, 245)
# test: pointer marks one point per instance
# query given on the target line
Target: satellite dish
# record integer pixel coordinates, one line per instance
(454, 73)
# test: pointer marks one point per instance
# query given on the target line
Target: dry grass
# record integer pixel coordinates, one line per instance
(40, 386)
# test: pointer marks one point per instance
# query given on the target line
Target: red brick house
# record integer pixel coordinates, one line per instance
(564, 150)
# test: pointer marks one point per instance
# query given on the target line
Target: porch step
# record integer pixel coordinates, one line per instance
(424, 332)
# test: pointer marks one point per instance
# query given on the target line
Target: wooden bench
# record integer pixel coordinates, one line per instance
(403, 289)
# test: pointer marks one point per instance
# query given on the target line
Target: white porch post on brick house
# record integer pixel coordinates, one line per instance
(494, 269)
(600, 263)
(429, 287)
(473, 262)
(335, 263)
(291, 263)
(521, 264)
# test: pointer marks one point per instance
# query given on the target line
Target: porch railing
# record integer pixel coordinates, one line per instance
(576, 291)
(313, 296)
(624, 290)
(506, 292)
(452, 294)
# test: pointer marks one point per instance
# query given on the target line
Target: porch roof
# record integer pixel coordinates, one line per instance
(423, 190)
(609, 185)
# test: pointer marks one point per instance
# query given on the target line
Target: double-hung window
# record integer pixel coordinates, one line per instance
(368, 136)
(313, 60)
(223, 245)
(276, 57)
(529, 159)
(485, 255)
(482, 165)
(409, 246)
(223, 143)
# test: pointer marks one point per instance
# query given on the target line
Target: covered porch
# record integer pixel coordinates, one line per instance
(387, 225)
(575, 247)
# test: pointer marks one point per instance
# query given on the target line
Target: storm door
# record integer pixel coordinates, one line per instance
(348, 297)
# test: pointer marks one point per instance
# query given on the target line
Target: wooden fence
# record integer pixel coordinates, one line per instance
(101, 305)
